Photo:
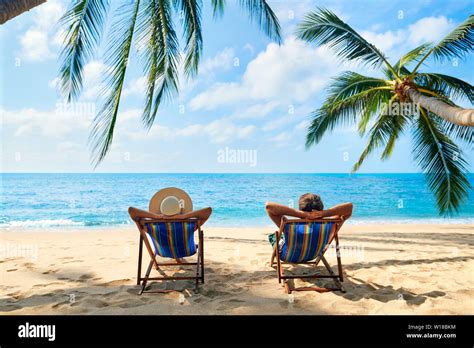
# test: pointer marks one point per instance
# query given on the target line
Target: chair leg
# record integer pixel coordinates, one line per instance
(198, 266)
(140, 251)
(272, 261)
(147, 275)
(339, 263)
(328, 267)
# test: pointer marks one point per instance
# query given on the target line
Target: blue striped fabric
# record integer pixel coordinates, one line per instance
(304, 241)
(173, 239)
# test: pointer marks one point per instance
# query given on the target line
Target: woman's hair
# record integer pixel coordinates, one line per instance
(309, 202)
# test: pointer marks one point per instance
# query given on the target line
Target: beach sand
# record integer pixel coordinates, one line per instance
(388, 269)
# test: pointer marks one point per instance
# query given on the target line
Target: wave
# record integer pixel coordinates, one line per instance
(42, 223)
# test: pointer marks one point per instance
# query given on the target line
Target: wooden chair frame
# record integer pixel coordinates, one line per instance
(338, 278)
(153, 262)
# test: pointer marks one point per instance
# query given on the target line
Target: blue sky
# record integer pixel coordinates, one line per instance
(251, 95)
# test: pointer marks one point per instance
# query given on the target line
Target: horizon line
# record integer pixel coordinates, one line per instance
(321, 173)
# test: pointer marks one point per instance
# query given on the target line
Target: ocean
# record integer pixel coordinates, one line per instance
(61, 200)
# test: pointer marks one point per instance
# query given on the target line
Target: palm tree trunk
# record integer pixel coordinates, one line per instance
(11, 8)
(453, 114)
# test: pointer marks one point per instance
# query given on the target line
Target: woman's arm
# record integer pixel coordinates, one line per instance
(202, 214)
(343, 210)
(136, 214)
(276, 211)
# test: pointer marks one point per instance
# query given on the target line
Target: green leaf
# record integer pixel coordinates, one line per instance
(411, 56)
(442, 162)
(191, 13)
(117, 56)
(384, 132)
(260, 12)
(451, 87)
(85, 23)
(323, 27)
(458, 43)
(218, 7)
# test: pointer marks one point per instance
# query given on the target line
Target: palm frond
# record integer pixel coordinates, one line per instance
(450, 86)
(218, 7)
(385, 131)
(442, 162)
(458, 43)
(349, 96)
(85, 23)
(323, 27)
(168, 59)
(191, 10)
(161, 55)
(462, 133)
(260, 12)
(117, 56)
(411, 56)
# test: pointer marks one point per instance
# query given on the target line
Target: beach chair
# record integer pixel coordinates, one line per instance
(170, 239)
(305, 242)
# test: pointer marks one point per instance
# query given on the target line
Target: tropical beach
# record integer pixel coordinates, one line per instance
(241, 157)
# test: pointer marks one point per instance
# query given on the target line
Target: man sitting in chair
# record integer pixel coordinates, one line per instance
(310, 207)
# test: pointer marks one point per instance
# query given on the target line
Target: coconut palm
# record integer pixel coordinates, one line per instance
(435, 120)
(150, 25)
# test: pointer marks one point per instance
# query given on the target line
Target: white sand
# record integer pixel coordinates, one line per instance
(389, 269)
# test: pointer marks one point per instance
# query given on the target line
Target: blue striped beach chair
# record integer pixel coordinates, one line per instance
(170, 239)
(305, 242)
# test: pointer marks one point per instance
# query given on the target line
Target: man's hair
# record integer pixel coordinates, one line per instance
(309, 202)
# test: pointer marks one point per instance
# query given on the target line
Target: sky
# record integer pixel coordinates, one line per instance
(246, 111)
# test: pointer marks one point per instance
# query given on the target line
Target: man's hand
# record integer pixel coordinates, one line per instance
(313, 215)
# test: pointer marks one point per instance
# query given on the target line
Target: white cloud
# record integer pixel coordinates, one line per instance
(429, 29)
(94, 79)
(35, 46)
(396, 43)
(293, 71)
(259, 110)
(36, 42)
(219, 131)
(223, 60)
(54, 124)
(136, 87)
(281, 138)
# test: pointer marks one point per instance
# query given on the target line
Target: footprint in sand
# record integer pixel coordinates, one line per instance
(86, 276)
(117, 282)
(47, 284)
(73, 261)
(91, 303)
(12, 270)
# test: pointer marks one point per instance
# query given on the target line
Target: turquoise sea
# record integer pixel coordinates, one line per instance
(38, 200)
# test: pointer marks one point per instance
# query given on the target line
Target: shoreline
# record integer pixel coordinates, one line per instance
(411, 222)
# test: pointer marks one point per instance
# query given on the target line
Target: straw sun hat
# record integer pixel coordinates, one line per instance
(170, 201)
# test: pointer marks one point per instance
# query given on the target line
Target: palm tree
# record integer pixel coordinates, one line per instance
(354, 99)
(149, 24)
(11, 8)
